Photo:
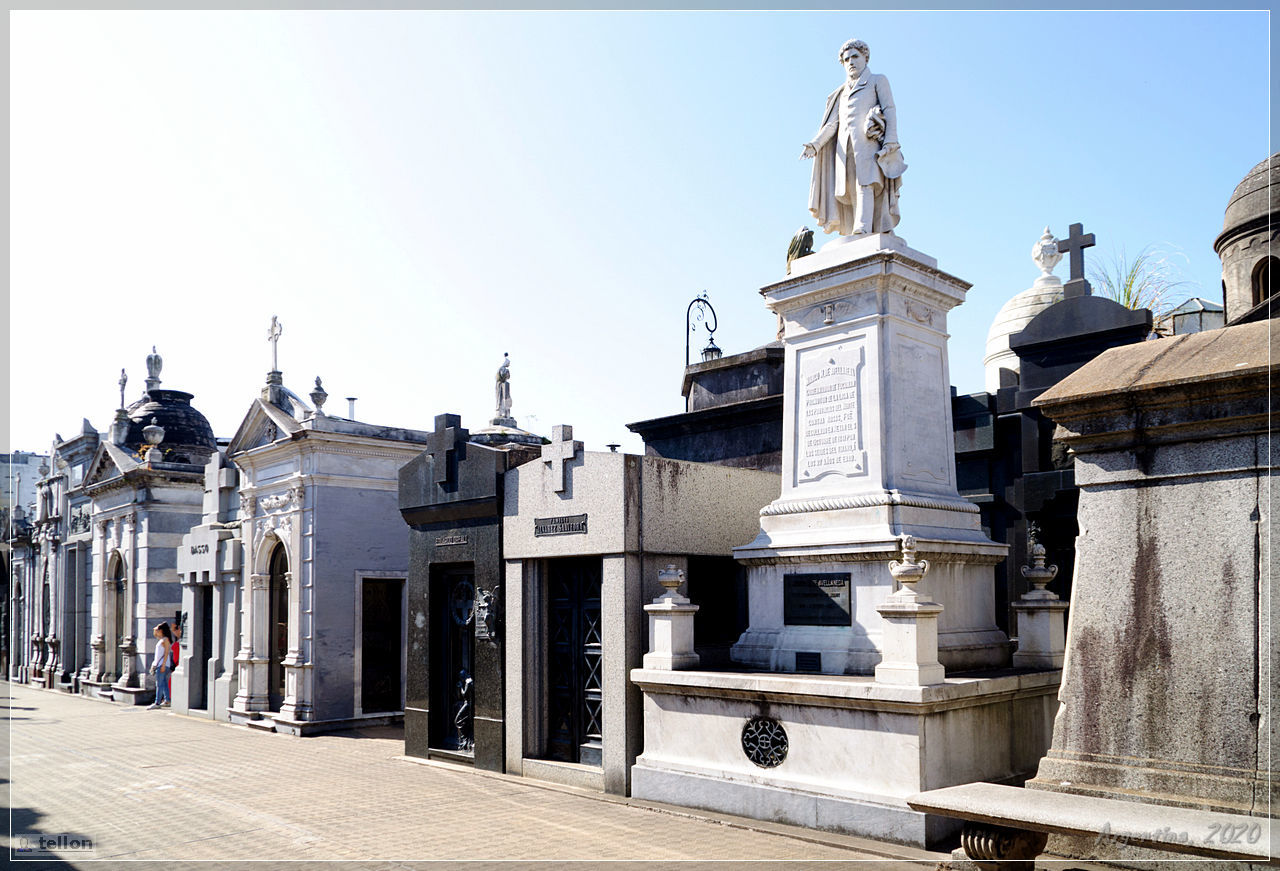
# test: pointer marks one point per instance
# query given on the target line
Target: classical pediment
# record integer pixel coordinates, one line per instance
(262, 425)
(109, 461)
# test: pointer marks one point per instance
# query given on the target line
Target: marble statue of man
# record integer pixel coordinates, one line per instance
(858, 163)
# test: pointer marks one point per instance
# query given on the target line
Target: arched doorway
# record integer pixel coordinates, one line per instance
(120, 619)
(278, 626)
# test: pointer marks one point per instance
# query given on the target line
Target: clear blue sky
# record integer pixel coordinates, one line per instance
(414, 193)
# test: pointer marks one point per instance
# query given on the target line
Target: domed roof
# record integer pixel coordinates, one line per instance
(188, 438)
(1250, 200)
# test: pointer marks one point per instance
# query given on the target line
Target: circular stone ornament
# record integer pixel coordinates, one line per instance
(764, 741)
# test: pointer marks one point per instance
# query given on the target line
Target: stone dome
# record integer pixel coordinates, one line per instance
(1019, 311)
(188, 437)
(1250, 201)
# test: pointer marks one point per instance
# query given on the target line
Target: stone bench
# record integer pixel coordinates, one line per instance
(1004, 823)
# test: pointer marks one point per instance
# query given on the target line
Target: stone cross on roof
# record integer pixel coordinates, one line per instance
(447, 445)
(273, 336)
(1073, 246)
(562, 450)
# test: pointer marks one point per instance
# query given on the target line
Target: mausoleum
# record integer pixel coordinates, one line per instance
(146, 483)
(585, 534)
(451, 496)
(209, 569)
(325, 561)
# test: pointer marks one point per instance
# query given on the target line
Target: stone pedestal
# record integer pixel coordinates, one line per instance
(671, 625)
(868, 476)
(868, 456)
(1042, 623)
(911, 627)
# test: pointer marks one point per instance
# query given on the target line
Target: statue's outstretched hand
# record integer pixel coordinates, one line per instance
(809, 152)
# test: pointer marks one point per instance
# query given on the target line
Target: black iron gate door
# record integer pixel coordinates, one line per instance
(453, 595)
(574, 660)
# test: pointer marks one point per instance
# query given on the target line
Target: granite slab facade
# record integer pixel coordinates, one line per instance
(451, 496)
(605, 523)
(1171, 672)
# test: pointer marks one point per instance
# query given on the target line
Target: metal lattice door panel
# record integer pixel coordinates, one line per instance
(574, 661)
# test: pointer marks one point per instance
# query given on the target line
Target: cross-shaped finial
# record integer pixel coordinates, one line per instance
(1073, 246)
(447, 445)
(562, 450)
(273, 336)
(124, 379)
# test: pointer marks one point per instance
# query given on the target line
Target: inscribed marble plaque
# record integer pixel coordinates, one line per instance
(816, 599)
(829, 411)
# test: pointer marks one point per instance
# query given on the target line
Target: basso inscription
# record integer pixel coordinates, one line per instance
(199, 548)
(827, 407)
(816, 599)
(573, 524)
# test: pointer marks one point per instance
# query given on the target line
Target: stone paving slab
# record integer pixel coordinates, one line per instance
(153, 785)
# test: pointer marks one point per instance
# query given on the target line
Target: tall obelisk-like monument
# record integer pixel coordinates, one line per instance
(868, 451)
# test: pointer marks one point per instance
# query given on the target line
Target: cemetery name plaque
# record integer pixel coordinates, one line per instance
(827, 436)
(572, 524)
(816, 599)
(451, 538)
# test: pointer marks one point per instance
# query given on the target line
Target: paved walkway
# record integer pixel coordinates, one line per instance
(142, 784)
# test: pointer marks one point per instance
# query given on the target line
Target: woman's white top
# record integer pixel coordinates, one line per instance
(162, 652)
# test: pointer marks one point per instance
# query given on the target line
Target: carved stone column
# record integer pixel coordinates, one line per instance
(251, 660)
(297, 670)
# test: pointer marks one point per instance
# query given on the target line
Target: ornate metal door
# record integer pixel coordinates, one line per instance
(278, 631)
(574, 665)
(452, 686)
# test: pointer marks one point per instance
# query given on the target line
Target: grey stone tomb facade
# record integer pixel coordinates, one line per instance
(1165, 744)
(210, 564)
(146, 484)
(585, 534)
(324, 567)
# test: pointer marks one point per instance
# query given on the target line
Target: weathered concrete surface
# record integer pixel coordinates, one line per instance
(1171, 671)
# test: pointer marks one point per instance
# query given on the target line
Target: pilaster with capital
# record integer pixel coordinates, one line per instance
(297, 668)
(251, 660)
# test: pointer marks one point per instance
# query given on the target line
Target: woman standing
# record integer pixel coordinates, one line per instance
(160, 664)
